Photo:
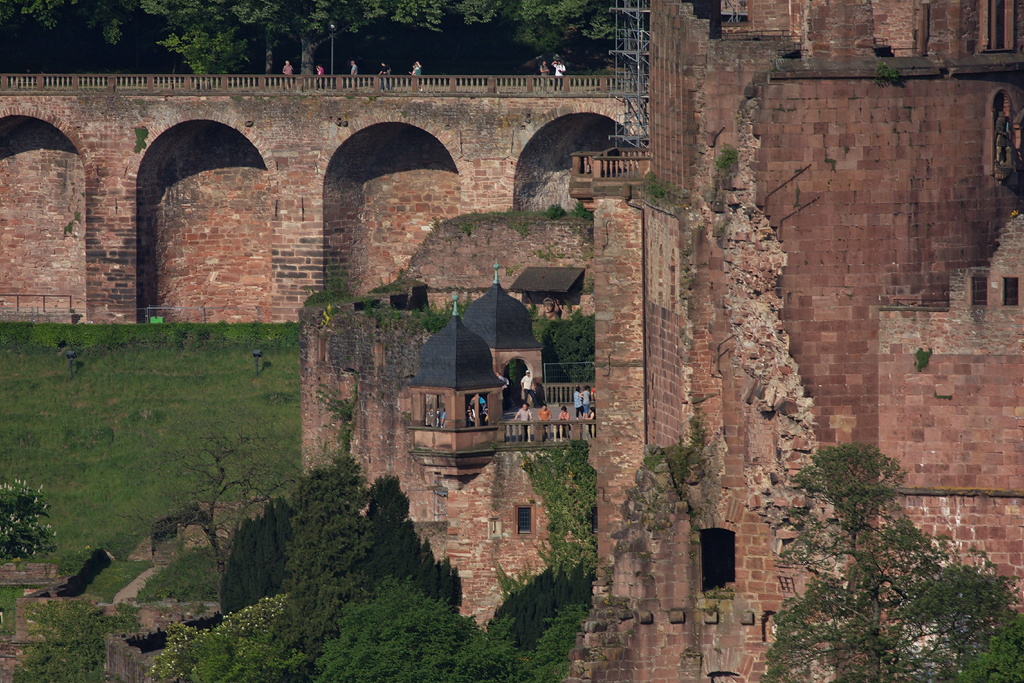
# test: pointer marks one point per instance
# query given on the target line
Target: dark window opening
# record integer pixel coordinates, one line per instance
(883, 51)
(593, 520)
(1000, 25)
(979, 291)
(717, 558)
(524, 520)
(1010, 289)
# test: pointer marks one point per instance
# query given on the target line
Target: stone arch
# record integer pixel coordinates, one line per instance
(42, 223)
(542, 172)
(204, 219)
(383, 188)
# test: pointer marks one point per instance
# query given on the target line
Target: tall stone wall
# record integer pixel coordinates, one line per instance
(876, 193)
(472, 510)
(42, 216)
(222, 201)
(459, 255)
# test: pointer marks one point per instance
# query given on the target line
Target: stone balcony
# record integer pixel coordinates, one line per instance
(613, 172)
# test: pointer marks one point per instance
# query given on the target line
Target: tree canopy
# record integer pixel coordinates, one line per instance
(401, 636)
(23, 529)
(75, 640)
(886, 602)
(241, 649)
(256, 566)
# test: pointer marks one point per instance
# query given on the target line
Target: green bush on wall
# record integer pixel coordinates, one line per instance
(19, 335)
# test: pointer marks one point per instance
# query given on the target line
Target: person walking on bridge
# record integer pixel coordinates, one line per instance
(288, 69)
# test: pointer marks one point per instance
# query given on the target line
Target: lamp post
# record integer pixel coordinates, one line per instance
(333, 29)
(70, 353)
(256, 355)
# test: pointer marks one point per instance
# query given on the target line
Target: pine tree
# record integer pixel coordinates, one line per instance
(256, 566)
(326, 559)
(397, 550)
(885, 602)
(534, 605)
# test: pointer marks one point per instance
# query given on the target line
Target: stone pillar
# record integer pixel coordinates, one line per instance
(618, 285)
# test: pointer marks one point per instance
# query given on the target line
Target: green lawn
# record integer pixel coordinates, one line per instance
(104, 585)
(8, 596)
(94, 443)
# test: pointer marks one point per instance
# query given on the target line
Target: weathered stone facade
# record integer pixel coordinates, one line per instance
(231, 207)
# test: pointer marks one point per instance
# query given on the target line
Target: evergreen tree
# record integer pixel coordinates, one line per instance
(396, 549)
(256, 566)
(402, 636)
(326, 558)
(886, 602)
(538, 602)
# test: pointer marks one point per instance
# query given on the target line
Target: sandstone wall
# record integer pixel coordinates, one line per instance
(42, 221)
(227, 197)
(893, 191)
(459, 255)
(472, 510)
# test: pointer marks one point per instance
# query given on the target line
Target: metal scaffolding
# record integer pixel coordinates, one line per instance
(632, 69)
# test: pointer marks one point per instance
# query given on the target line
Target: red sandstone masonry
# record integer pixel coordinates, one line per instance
(296, 138)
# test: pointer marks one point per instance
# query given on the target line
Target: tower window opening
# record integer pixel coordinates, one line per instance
(524, 520)
(1010, 291)
(717, 558)
(979, 291)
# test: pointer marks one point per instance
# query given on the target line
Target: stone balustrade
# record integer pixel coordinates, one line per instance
(613, 172)
(189, 84)
(539, 433)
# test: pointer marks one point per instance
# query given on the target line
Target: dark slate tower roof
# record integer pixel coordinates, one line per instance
(455, 358)
(502, 321)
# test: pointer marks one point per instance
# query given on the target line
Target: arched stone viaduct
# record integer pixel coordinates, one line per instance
(122, 202)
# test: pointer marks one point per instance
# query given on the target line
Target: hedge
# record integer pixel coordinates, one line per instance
(21, 335)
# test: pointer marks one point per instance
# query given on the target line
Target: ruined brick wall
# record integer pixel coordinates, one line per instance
(27, 573)
(618, 365)
(955, 423)
(42, 215)
(459, 255)
(867, 212)
(678, 57)
(254, 195)
(475, 516)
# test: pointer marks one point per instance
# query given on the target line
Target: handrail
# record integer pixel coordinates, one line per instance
(326, 85)
(18, 299)
(546, 431)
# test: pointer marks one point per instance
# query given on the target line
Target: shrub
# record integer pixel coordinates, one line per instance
(726, 159)
(580, 211)
(554, 212)
(167, 335)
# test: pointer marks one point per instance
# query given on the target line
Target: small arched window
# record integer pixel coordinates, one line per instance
(717, 558)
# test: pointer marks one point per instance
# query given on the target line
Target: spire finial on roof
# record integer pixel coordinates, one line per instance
(455, 305)
(496, 266)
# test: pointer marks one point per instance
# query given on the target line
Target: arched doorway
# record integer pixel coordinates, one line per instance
(542, 172)
(383, 189)
(204, 226)
(42, 217)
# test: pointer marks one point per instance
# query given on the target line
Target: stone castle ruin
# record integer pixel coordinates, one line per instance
(827, 248)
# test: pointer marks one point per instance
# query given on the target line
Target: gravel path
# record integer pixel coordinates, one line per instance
(135, 585)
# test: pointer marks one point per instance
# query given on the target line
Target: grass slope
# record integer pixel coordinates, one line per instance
(94, 442)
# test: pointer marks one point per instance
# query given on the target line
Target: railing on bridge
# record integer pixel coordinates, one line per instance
(539, 433)
(327, 85)
(605, 173)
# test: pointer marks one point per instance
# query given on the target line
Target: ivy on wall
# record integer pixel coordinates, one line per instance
(566, 481)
